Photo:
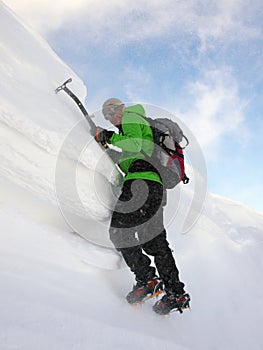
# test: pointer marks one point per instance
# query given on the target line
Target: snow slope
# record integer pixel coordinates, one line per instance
(59, 291)
(36, 123)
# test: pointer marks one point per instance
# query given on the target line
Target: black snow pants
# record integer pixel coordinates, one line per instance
(137, 228)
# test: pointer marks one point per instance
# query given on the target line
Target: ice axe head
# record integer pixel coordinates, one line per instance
(61, 87)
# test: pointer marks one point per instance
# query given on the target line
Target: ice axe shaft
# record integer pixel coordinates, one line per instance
(81, 107)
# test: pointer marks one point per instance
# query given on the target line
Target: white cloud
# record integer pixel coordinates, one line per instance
(124, 20)
(227, 23)
(46, 16)
(137, 80)
(213, 110)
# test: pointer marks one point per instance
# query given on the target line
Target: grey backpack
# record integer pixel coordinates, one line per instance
(168, 155)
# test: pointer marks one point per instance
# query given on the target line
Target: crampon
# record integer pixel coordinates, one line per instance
(172, 302)
(143, 292)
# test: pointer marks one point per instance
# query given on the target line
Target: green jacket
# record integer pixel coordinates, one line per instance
(136, 136)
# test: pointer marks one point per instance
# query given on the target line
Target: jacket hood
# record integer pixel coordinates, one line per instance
(136, 109)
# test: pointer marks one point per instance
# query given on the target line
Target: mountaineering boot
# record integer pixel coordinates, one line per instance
(144, 290)
(172, 302)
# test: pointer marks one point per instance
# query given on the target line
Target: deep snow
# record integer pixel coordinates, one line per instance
(59, 291)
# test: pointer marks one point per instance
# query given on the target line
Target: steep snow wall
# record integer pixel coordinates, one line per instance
(35, 123)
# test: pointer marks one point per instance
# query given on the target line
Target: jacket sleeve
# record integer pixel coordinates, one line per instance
(131, 140)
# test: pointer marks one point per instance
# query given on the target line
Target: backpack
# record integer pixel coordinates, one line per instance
(168, 155)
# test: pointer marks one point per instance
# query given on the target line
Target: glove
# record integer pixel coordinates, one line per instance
(103, 135)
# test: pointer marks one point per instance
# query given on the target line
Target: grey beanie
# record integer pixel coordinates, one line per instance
(111, 105)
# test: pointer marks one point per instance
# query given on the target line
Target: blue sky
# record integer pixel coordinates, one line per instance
(201, 60)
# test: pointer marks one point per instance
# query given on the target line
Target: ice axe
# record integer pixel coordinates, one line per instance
(81, 107)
